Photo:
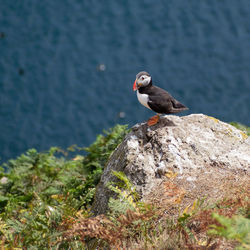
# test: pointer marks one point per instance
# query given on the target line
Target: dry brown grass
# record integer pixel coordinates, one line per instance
(110, 230)
(161, 227)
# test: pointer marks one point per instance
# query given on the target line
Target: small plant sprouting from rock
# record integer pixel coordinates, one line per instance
(242, 127)
(127, 196)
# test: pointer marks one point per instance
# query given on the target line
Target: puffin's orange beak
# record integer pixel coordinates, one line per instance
(135, 87)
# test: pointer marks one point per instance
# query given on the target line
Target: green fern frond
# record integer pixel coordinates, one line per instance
(236, 228)
(127, 197)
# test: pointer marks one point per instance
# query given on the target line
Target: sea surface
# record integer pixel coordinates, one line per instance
(67, 67)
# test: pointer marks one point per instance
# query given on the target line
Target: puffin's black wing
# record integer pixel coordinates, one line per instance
(162, 102)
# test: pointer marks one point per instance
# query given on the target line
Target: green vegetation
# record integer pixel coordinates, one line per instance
(242, 127)
(128, 218)
(41, 190)
(236, 228)
(45, 201)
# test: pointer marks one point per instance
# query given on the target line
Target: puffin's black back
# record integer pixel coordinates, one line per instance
(161, 101)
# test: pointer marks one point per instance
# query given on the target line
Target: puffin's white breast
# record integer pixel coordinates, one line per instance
(143, 99)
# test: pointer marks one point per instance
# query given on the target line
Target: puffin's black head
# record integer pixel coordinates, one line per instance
(142, 80)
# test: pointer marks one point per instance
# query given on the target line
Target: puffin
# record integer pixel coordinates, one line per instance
(155, 98)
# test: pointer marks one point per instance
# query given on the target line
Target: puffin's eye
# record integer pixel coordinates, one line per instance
(142, 78)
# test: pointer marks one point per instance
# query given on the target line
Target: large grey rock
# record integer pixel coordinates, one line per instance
(197, 147)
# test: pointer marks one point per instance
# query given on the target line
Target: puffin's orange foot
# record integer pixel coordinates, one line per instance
(153, 120)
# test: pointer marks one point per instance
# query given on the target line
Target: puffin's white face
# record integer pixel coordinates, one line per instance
(142, 80)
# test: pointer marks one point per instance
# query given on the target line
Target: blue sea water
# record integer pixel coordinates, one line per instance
(67, 67)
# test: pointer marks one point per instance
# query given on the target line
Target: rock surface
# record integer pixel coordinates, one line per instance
(202, 151)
